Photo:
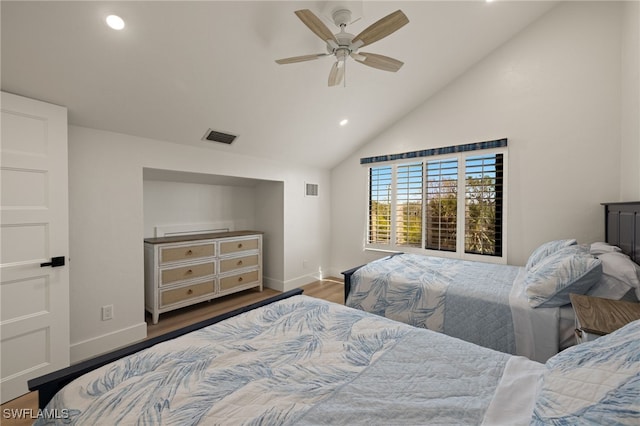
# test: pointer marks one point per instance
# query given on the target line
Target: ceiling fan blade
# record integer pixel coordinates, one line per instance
(380, 29)
(302, 58)
(316, 25)
(336, 74)
(380, 62)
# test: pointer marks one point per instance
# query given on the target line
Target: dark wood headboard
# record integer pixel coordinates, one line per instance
(622, 227)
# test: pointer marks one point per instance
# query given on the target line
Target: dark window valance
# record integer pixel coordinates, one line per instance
(499, 143)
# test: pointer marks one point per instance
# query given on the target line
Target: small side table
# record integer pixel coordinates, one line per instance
(596, 316)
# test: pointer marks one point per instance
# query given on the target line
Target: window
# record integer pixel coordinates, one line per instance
(448, 203)
(409, 205)
(442, 204)
(483, 204)
(380, 205)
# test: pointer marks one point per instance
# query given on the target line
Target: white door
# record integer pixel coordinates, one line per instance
(34, 210)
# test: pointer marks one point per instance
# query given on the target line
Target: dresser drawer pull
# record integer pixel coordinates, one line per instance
(239, 262)
(239, 279)
(189, 272)
(190, 291)
(239, 245)
(189, 252)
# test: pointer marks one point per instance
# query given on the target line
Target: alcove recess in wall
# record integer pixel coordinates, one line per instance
(173, 198)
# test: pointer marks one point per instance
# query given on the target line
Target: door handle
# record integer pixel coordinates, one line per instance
(55, 261)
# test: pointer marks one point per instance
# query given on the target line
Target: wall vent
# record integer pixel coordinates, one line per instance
(311, 189)
(216, 136)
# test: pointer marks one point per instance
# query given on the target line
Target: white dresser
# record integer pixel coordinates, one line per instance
(182, 270)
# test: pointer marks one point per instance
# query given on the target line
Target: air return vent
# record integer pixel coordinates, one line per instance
(311, 189)
(216, 136)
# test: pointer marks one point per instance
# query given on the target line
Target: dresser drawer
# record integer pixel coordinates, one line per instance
(169, 297)
(177, 254)
(170, 276)
(227, 265)
(228, 247)
(228, 283)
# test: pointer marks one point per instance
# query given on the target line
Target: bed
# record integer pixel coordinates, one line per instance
(305, 361)
(294, 359)
(517, 310)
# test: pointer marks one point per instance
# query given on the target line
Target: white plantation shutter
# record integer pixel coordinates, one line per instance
(442, 201)
(483, 204)
(451, 200)
(409, 205)
(380, 180)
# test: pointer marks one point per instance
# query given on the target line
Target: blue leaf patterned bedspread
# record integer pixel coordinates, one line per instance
(298, 361)
(464, 299)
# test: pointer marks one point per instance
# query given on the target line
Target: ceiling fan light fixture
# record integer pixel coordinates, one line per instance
(344, 122)
(342, 53)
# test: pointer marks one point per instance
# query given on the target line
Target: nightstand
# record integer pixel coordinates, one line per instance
(596, 316)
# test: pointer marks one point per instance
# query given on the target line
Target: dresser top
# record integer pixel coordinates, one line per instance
(196, 237)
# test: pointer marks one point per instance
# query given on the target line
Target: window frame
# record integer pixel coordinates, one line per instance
(461, 205)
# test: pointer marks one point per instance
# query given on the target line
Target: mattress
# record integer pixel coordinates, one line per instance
(479, 302)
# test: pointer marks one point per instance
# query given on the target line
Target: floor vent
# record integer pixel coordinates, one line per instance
(216, 136)
(311, 189)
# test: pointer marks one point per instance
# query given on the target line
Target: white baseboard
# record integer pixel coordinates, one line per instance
(334, 272)
(107, 342)
(272, 283)
(280, 285)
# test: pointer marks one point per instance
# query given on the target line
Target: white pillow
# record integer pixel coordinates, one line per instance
(619, 275)
(546, 249)
(569, 270)
(602, 247)
(610, 288)
(594, 383)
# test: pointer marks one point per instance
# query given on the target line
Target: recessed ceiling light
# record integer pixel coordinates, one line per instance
(344, 122)
(115, 22)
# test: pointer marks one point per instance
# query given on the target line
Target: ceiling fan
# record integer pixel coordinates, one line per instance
(343, 44)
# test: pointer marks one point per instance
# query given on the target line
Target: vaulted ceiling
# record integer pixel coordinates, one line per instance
(180, 68)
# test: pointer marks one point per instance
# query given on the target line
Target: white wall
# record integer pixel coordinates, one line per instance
(179, 203)
(630, 152)
(107, 226)
(554, 92)
(270, 219)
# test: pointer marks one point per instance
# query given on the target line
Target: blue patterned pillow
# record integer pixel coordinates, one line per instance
(595, 383)
(546, 249)
(569, 270)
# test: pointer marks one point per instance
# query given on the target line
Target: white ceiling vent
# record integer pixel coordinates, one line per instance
(311, 189)
(217, 136)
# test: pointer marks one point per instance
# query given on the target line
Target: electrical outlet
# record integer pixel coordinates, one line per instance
(107, 312)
